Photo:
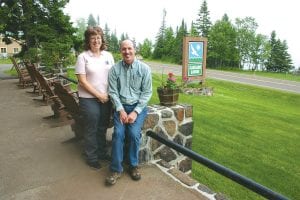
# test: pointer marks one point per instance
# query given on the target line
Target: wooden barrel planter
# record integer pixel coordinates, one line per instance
(168, 97)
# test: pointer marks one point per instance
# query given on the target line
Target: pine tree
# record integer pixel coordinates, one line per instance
(193, 31)
(124, 36)
(178, 45)
(114, 46)
(279, 59)
(92, 21)
(287, 60)
(203, 23)
(160, 38)
(106, 32)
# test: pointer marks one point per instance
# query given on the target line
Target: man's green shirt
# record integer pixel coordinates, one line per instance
(130, 84)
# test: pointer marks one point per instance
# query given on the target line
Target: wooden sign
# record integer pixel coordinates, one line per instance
(194, 59)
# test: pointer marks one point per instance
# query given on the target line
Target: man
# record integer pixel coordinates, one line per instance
(130, 89)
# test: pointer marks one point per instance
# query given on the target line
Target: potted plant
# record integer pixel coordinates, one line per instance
(168, 92)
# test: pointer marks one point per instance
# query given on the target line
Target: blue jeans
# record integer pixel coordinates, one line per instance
(133, 135)
(96, 117)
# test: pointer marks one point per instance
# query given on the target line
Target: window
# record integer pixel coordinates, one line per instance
(16, 50)
(3, 50)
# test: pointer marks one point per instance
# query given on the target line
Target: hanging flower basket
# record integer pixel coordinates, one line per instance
(167, 96)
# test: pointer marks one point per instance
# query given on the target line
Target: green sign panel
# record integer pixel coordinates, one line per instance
(195, 59)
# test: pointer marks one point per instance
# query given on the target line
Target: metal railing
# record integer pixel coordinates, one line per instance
(244, 181)
(67, 78)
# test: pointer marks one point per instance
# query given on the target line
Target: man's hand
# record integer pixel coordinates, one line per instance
(132, 117)
(123, 117)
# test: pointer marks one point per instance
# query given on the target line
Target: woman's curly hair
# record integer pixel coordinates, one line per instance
(91, 31)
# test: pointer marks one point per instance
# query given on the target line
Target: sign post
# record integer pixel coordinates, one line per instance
(194, 59)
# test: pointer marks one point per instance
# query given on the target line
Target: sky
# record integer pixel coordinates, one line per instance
(142, 19)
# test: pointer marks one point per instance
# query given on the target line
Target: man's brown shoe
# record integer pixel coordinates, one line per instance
(135, 174)
(112, 178)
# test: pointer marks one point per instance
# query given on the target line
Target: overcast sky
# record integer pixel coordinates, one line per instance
(142, 19)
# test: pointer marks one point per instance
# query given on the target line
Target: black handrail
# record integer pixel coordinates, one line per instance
(244, 181)
(69, 79)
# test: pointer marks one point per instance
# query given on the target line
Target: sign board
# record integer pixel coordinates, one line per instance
(194, 58)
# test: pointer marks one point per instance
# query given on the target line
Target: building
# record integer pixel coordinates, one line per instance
(9, 49)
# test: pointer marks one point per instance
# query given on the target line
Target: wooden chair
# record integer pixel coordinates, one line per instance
(31, 71)
(70, 102)
(23, 75)
(47, 91)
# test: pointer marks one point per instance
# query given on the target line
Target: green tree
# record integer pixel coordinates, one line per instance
(79, 35)
(111, 40)
(92, 21)
(124, 36)
(259, 52)
(246, 29)
(279, 59)
(203, 23)
(37, 23)
(271, 61)
(81, 27)
(146, 48)
(98, 20)
(160, 38)
(114, 46)
(286, 60)
(106, 32)
(178, 44)
(222, 47)
(193, 31)
(169, 41)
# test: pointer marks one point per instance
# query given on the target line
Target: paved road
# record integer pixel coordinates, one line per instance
(289, 86)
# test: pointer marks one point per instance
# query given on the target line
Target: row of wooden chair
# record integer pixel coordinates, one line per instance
(55, 92)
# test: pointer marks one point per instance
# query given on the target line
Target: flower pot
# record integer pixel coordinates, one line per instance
(168, 97)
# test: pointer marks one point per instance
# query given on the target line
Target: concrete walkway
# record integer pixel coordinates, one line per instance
(39, 162)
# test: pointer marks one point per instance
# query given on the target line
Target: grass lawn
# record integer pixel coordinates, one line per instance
(253, 131)
(5, 61)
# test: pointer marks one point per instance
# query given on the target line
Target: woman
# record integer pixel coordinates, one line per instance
(92, 68)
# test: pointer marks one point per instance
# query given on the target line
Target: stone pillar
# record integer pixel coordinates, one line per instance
(174, 123)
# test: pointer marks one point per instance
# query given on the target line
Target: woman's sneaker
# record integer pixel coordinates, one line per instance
(112, 178)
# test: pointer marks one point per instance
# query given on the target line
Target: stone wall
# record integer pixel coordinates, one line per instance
(174, 123)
